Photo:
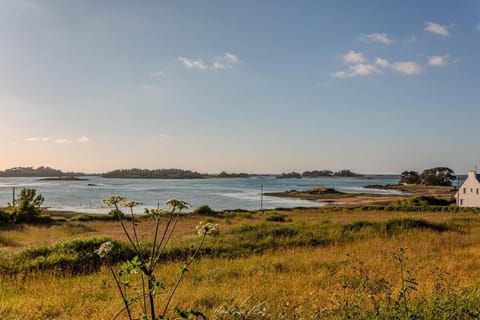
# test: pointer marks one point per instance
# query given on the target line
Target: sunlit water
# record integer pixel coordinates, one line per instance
(219, 194)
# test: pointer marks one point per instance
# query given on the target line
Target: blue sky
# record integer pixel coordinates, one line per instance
(256, 86)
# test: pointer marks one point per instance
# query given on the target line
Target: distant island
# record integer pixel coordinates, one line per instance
(63, 178)
(136, 173)
(224, 174)
(320, 174)
(38, 172)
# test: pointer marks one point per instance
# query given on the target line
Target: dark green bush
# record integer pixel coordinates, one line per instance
(204, 210)
(27, 206)
(70, 257)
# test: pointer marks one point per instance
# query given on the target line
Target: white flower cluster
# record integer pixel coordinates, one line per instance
(104, 250)
(156, 213)
(177, 204)
(207, 228)
(120, 202)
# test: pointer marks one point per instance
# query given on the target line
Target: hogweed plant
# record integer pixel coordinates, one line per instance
(141, 268)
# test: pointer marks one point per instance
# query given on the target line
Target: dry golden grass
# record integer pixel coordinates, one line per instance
(289, 283)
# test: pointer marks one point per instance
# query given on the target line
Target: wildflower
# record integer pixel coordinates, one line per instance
(156, 213)
(104, 250)
(112, 201)
(129, 203)
(177, 204)
(207, 228)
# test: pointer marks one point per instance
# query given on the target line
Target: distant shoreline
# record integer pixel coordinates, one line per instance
(356, 199)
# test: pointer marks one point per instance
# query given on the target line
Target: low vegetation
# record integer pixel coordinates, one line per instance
(377, 262)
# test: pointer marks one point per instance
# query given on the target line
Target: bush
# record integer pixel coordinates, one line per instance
(93, 217)
(4, 218)
(75, 256)
(274, 217)
(204, 210)
(424, 201)
(27, 207)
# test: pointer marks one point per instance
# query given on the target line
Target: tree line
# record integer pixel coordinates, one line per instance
(438, 176)
(136, 173)
(319, 174)
(36, 172)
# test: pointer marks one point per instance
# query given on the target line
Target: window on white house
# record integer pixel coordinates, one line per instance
(461, 202)
(464, 190)
(477, 190)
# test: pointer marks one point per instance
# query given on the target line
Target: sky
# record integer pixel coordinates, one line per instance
(241, 86)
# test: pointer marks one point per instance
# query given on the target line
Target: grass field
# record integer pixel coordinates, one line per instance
(308, 264)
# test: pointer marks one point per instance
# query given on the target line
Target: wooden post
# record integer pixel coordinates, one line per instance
(261, 197)
(13, 197)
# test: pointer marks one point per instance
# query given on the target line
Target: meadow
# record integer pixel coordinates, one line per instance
(317, 263)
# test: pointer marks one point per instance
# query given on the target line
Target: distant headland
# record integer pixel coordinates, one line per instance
(38, 172)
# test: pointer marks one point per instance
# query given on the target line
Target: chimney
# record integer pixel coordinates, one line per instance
(472, 173)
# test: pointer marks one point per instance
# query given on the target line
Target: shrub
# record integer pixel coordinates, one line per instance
(204, 210)
(275, 217)
(27, 207)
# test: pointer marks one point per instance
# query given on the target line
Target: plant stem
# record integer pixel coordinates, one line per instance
(182, 273)
(121, 291)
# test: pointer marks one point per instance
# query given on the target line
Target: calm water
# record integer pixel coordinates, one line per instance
(217, 193)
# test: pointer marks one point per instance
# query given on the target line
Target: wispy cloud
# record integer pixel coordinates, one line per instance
(437, 29)
(407, 67)
(478, 26)
(193, 64)
(382, 62)
(156, 73)
(63, 141)
(164, 136)
(358, 70)
(227, 61)
(438, 61)
(353, 57)
(83, 139)
(376, 37)
(37, 139)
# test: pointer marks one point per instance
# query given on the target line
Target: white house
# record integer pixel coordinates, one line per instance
(469, 193)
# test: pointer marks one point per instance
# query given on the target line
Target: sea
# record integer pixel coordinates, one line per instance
(218, 193)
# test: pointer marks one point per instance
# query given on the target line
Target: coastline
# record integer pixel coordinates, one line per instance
(359, 199)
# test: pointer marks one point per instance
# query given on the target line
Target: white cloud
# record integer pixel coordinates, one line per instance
(37, 139)
(407, 67)
(63, 141)
(437, 29)
(353, 57)
(478, 26)
(340, 74)
(358, 70)
(157, 73)
(382, 62)
(83, 139)
(438, 61)
(376, 37)
(227, 61)
(164, 136)
(193, 64)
